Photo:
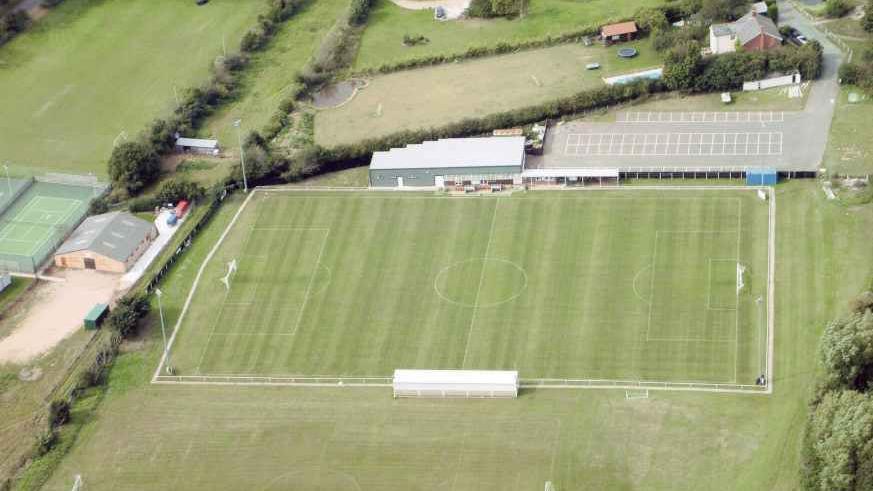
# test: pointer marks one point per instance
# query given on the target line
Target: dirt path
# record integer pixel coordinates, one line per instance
(56, 313)
(454, 8)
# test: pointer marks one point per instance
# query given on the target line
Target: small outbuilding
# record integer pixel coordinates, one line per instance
(109, 242)
(95, 317)
(616, 33)
(762, 177)
(197, 145)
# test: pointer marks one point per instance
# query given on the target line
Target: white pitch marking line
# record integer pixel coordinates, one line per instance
(737, 315)
(479, 288)
(308, 291)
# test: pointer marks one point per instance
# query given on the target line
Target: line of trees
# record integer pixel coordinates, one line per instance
(838, 444)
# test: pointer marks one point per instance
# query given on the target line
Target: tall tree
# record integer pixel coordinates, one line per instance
(847, 352)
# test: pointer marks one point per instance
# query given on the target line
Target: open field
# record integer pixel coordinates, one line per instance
(388, 23)
(850, 143)
(91, 72)
(652, 295)
(158, 437)
(443, 94)
(270, 77)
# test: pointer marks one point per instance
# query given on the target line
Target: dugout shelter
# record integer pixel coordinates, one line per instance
(484, 384)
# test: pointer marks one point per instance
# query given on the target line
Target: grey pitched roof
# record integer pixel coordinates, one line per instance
(751, 25)
(454, 152)
(722, 29)
(115, 235)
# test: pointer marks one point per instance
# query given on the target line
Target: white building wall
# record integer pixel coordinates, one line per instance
(721, 44)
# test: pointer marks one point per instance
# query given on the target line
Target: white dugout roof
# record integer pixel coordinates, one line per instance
(577, 172)
(455, 383)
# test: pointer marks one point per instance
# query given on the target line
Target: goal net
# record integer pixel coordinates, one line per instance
(636, 394)
(741, 277)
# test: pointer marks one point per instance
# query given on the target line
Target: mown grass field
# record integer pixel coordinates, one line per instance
(270, 77)
(442, 94)
(388, 23)
(158, 437)
(850, 143)
(629, 286)
(91, 70)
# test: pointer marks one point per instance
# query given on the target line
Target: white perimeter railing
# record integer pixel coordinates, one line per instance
(555, 383)
(263, 380)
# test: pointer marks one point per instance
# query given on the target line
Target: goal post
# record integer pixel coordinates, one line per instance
(741, 277)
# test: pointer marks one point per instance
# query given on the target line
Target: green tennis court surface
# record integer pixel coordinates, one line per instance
(37, 222)
(619, 285)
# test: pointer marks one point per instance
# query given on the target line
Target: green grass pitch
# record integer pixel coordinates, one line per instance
(637, 285)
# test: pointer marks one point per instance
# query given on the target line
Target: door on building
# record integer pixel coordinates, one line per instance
(439, 181)
(90, 264)
(399, 182)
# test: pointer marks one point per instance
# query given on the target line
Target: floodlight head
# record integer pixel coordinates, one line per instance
(158, 292)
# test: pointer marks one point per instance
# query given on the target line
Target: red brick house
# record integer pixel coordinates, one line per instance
(752, 32)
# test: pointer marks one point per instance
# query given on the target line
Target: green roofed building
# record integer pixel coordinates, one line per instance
(450, 162)
(109, 242)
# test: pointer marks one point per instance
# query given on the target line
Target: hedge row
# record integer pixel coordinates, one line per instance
(197, 103)
(670, 11)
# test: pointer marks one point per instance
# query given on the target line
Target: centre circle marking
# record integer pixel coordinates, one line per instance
(517, 293)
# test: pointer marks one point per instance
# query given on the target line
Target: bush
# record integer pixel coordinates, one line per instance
(836, 8)
(838, 445)
(851, 73)
(682, 66)
(125, 317)
(867, 20)
(133, 165)
(480, 9)
(846, 352)
(862, 303)
(178, 189)
(773, 12)
(359, 10)
(59, 412)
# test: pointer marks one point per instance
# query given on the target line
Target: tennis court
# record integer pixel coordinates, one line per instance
(37, 222)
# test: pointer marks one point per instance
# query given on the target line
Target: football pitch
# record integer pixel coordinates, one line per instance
(655, 286)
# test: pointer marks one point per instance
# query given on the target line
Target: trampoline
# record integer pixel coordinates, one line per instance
(627, 52)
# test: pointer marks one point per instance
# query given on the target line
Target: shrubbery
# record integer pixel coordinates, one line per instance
(860, 71)
(133, 165)
(838, 444)
(867, 20)
(836, 8)
(685, 70)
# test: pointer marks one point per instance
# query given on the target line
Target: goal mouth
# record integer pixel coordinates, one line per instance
(741, 277)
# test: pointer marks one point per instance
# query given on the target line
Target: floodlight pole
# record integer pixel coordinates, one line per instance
(242, 154)
(8, 181)
(159, 293)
